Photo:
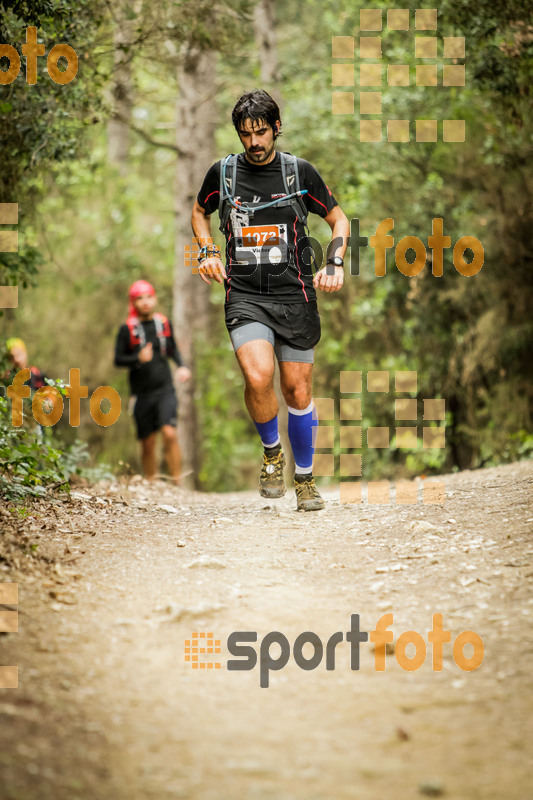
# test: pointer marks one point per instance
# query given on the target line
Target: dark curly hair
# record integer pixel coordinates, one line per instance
(257, 106)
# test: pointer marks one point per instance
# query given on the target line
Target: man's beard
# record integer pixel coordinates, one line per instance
(261, 156)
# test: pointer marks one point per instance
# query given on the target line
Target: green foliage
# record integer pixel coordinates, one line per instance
(75, 460)
(469, 339)
(34, 459)
(41, 124)
(27, 462)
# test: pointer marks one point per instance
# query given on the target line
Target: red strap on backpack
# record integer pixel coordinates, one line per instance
(137, 335)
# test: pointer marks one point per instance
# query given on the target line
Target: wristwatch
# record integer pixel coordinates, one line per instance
(336, 261)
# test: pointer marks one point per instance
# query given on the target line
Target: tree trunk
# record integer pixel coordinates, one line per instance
(266, 41)
(121, 92)
(195, 136)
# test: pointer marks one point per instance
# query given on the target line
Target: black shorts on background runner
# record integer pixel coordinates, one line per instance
(295, 324)
(152, 410)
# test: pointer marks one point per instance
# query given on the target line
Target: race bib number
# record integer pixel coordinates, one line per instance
(261, 244)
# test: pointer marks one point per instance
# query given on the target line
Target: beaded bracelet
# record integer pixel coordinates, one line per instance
(208, 251)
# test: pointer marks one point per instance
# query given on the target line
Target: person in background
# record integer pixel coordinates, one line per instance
(145, 343)
(18, 356)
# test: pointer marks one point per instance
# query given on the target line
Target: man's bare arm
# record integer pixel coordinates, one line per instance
(340, 230)
(211, 267)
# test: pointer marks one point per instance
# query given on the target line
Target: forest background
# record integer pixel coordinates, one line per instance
(105, 170)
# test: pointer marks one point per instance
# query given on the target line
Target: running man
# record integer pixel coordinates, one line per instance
(263, 197)
(144, 343)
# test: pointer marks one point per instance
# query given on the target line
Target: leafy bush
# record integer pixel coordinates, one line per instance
(33, 460)
(28, 463)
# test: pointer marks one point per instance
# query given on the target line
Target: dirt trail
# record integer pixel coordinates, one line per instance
(107, 707)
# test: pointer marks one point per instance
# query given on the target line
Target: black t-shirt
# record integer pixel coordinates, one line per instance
(153, 375)
(282, 269)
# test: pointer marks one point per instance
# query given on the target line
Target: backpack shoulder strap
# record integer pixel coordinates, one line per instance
(228, 181)
(165, 327)
(137, 335)
(291, 182)
(289, 166)
(162, 330)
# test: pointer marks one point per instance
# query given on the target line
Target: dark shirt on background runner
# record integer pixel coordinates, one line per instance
(36, 380)
(152, 375)
(286, 276)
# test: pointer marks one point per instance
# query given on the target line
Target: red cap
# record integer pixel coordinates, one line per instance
(136, 290)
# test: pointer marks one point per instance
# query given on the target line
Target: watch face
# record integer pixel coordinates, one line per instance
(337, 261)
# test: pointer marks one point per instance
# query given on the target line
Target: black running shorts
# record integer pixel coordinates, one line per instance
(152, 410)
(294, 324)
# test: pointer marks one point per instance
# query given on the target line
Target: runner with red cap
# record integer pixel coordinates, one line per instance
(144, 344)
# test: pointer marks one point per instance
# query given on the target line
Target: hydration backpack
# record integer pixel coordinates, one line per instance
(138, 336)
(291, 183)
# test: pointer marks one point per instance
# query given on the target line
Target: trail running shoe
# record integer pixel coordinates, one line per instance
(271, 483)
(307, 496)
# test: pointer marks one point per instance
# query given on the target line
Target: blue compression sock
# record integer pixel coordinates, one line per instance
(302, 426)
(268, 431)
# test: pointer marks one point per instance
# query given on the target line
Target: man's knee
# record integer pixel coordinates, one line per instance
(297, 396)
(256, 360)
(296, 384)
(169, 434)
(259, 378)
